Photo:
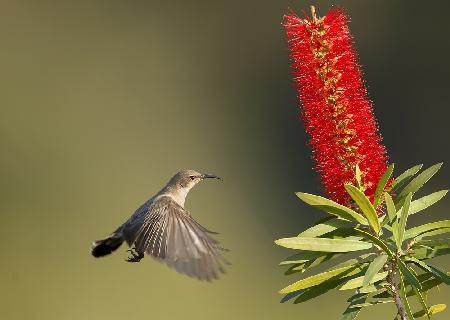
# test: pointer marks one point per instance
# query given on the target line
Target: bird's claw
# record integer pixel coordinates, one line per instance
(135, 255)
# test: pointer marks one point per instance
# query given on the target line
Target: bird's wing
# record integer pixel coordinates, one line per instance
(169, 234)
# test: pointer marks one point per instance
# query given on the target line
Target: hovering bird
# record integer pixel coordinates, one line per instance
(163, 229)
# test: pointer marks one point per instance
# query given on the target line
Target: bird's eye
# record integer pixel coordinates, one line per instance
(192, 177)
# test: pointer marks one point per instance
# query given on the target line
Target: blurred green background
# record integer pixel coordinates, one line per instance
(102, 101)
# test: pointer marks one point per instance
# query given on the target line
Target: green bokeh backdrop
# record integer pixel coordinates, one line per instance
(102, 101)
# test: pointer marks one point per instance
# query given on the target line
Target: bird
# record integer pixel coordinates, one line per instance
(163, 229)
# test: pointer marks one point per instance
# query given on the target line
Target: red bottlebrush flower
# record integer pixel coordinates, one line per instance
(337, 113)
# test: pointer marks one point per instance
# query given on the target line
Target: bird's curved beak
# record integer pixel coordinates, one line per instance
(210, 176)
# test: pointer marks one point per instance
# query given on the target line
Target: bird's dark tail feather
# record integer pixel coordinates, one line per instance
(106, 246)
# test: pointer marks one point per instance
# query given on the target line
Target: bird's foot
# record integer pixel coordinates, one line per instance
(136, 256)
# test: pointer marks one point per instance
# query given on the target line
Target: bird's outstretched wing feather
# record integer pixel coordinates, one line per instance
(168, 233)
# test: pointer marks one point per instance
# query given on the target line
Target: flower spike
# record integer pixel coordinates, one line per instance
(336, 111)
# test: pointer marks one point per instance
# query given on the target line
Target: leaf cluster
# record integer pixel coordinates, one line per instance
(393, 261)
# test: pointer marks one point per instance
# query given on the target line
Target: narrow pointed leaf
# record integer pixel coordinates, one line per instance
(303, 256)
(382, 185)
(426, 201)
(402, 221)
(358, 282)
(289, 296)
(376, 241)
(421, 301)
(372, 303)
(362, 259)
(409, 276)
(342, 233)
(323, 244)
(313, 292)
(431, 233)
(295, 268)
(373, 288)
(373, 269)
(437, 308)
(366, 207)
(323, 228)
(392, 214)
(432, 310)
(405, 299)
(442, 275)
(416, 231)
(383, 295)
(428, 249)
(301, 267)
(320, 278)
(390, 206)
(401, 179)
(417, 183)
(352, 312)
(332, 207)
(356, 298)
(426, 285)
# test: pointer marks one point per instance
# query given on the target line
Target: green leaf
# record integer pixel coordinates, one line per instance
(428, 249)
(301, 267)
(323, 244)
(426, 285)
(342, 233)
(382, 184)
(392, 212)
(295, 268)
(416, 231)
(321, 278)
(427, 281)
(425, 202)
(358, 282)
(332, 207)
(362, 259)
(376, 241)
(372, 303)
(409, 276)
(373, 269)
(374, 288)
(302, 256)
(417, 183)
(383, 295)
(356, 298)
(432, 310)
(436, 243)
(442, 275)
(439, 274)
(323, 228)
(313, 292)
(431, 233)
(405, 299)
(352, 312)
(437, 308)
(290, 296)
(401, 179)
(366, 207)
(402, 221)
(421, 301)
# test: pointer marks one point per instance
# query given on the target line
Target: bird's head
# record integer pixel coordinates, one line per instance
(186, 179)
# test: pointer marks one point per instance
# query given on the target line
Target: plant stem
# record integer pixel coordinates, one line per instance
(394, 291)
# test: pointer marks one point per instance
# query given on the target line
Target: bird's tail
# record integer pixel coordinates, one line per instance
(106, 246)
